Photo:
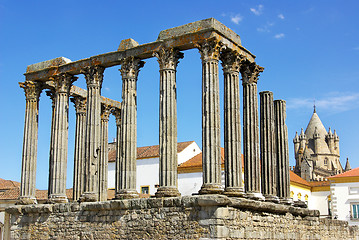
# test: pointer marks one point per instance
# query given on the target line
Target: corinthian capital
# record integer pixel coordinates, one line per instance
(63, 82)
(250, 72)
(231, 61)
(79, 103)
(168, 58)
(93, 75)
(32, 89)
(209, 49)
(130, 67)
(105, 112)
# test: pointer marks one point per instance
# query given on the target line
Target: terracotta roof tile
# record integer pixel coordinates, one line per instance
(7, 184)
(352, 173)
(319, 183)
(295, 178)
(148, 151)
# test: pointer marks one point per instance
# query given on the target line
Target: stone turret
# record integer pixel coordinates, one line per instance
(316, 151)
(336, 143)
(347, 166)
(303, 141)
(330, 141)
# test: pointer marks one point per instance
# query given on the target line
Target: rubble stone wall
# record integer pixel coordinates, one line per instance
(195, 217)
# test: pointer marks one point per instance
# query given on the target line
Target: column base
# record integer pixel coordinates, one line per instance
(126, 194)
(209, 188)
(286, 201)
(26, 201)
(255, 196)
(167, 192)
(89, 197)
(300, 204)
(57, 198)
(234, 192)
(271, 198)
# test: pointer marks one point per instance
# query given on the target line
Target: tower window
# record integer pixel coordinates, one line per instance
(326, 161)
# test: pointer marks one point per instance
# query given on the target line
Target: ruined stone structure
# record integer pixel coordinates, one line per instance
(317, 151)
(251, 210)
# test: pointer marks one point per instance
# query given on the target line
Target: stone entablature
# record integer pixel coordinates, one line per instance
(190, 217)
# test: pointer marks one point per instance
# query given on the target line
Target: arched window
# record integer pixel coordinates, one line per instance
(291, 194)
(299, 196)
(306, 197)
(326, 161)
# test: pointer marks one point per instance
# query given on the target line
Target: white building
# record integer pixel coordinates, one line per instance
(344, 190)
(147, 180)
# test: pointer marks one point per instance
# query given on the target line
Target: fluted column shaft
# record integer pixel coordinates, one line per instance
(168, 60)
(267, 143)
(103, 164)
(94, 78)
(250, 73)
(79, 151)
(232, 133)
(211, 155)
(117, 114)
(51, 94)
(29, 151)
(283, 181)
(128, 140)
(57, 186)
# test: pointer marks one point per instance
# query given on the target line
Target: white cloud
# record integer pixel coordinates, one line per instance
(281, 16)
(236, 19)
(257, 11)
(356, 48)
(279, 35)
(107, 89)
(266, 27)
(334, 102)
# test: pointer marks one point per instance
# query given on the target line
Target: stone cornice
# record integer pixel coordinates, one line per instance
(182, 38)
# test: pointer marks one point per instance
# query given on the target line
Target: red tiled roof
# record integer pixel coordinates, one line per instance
(7, 184)
(295, 178)
(148, 151)
(14, 193)
(351, 173)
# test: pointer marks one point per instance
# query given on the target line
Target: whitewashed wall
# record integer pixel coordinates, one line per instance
(319, 201)
(342, 200)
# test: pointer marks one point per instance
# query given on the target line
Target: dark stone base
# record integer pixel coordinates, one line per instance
(126, 194)
(211, 189)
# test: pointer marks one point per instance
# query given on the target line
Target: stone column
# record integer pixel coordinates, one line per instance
(211, 155)
(128, 140)
(29, 151)
(103, 165)
(267, 142)
(281, 132)
(79, 151)
(250, 73)
(232, 134)
(168, 60)
(117, 114)
(57, 188)
(51, 94)
(94, 78)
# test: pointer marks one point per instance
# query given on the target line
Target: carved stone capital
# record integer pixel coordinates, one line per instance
(32, 89)
(168, 58)
(209, 50)
(117, 113)
(93, 75)
(105, 112)
(250, 72)
(79, 103)
(130, 67)
(231, 61)
(63, 82)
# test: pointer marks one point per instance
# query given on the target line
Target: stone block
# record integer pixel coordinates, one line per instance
(127, 44)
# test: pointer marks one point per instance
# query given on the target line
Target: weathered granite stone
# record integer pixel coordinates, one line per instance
(210, 217)
(127, 44)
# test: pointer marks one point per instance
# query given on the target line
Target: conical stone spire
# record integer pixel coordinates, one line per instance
(347, 166)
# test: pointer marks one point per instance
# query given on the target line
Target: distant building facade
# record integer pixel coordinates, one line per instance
(317, 151)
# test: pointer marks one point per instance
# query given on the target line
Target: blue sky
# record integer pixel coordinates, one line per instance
(309, 50)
